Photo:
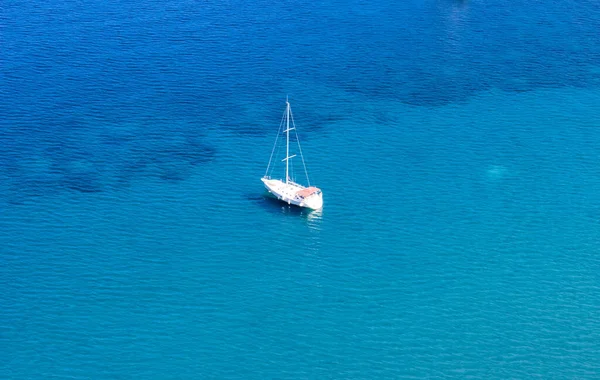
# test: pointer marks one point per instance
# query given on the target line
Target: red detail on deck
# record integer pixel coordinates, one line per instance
(308, 191)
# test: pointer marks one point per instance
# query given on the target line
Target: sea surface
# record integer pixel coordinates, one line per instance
(457, 144)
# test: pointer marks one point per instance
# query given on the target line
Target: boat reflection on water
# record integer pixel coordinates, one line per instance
(314, 218)
(314, 215)
(273, 205)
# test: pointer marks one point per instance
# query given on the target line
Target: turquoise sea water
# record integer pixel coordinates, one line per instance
(456, 143)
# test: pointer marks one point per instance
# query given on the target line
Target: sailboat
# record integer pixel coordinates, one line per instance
(287, 190)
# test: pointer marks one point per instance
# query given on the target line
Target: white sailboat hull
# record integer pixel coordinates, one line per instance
(289, 193)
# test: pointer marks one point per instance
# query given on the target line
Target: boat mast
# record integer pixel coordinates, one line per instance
(288, 112)
(287, 142)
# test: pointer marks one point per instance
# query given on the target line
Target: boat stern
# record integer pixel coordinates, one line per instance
(311, 197)
(314, 202)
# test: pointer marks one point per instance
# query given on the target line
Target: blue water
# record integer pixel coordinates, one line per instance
(456, 142)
